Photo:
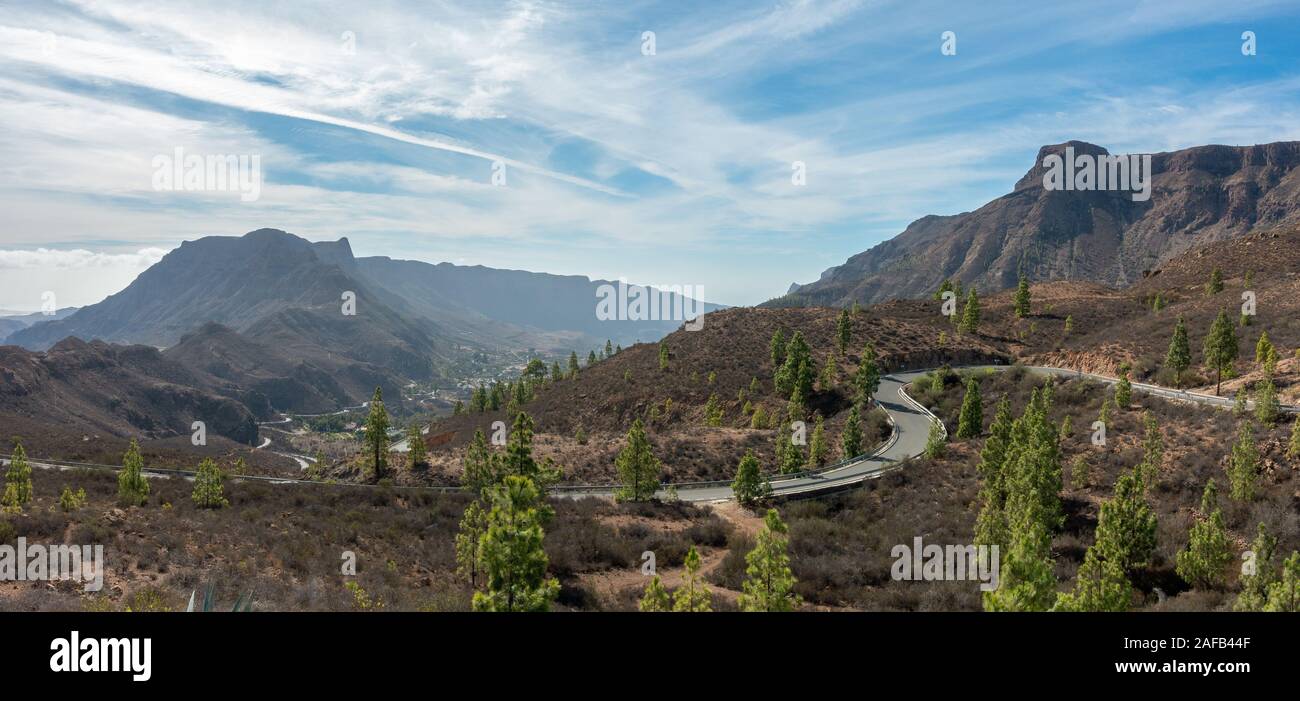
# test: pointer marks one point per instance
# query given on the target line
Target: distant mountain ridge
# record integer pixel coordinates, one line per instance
(1199, 195)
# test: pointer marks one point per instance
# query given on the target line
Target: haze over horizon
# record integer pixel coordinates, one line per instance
(666, 168)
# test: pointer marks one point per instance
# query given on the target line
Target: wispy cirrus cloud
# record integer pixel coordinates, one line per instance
(384, 124)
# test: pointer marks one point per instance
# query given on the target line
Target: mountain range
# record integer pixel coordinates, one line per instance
(1198, 196)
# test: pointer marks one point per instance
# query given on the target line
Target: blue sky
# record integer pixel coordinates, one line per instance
(382, 122)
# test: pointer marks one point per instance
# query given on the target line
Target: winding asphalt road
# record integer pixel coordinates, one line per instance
(910, 420)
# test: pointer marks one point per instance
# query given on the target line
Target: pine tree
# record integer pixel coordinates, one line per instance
(759, 419)
(18, 481)
(750, 487)
(638, 468)
(132, 487)
(415, 443)
(1203, 563)
(1215, 285)
(1220, 348)
(316, 469)
(1126, 526)
(609, 348)
(1123, 391)
(791, 457)
(1099, 585)
(481, 467)
(796, 373)
(1153, 449)
(991, 525)
(769, 583)
(1069, 324)
(935, 442)
(1022, 298)
(1243, 470)
(817, 446)
(518, 456)
(377, 435)
(692, 596)
(655, 599)
(945, 286)
(829, 375)
(1293, 445)
(1267, 408)
(1067, 428)
(573, 361)
(713, 411)
(1027, 581)
(844, 330)
(473, 524)
(1079, 473)
(1254, 585)
(591, 358)
(556, 373)
(776, 347)
(866, 381)
(511, 552)
(851, 439)
(971, 420)
(1262, 347)
(1284, 595)
(970, 315)
(208, 493)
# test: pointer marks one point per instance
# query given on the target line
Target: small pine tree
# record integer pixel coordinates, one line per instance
(415, 442)
(713, 411)
(655, 599)
(750, 487)
(817, 446)
(1262, 347)
(1022, 298)
(1220, 348)
(1079, 473)
(1099, 585)
(971, 421)
(132, 487)
(18, 481)
(208, 492)
(1203, 563)
(759, 419)
(72, 501)
(970, 315)
(1126, 526)
(1255, 584)
(851, 439)
(1179, 356)
(1067, 428)
(510, 550)
(1153, 448)
(866, 381)
(377, 435)
(1293, 445)
(1123, 391)
(637, 467)
(1284, 594)
(934, 443)
(1069, 324)
(692, 596)
(769, 583)
(1215, 285)
(1267, 408)
(1243, 470)
(776, 348)
(473, 524)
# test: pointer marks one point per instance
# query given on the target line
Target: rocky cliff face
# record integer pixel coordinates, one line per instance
(1198, 196)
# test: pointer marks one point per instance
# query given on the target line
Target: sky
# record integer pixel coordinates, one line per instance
(657, 142)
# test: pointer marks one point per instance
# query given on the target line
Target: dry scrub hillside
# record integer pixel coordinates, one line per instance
(724, 358)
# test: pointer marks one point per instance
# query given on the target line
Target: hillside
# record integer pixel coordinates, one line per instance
(1198, 196)
(118, 390)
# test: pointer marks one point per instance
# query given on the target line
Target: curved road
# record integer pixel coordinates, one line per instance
(911, 430)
